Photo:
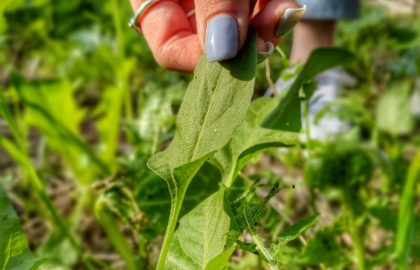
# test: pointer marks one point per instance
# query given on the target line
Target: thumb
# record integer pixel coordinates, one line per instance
(222, 26)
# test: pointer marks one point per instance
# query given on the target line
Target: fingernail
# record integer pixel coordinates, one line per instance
(289, 19)
(221, 38)
(263, 55)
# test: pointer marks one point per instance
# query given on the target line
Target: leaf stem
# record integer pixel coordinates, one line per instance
(307, 128)
(358, 246)
(406, 215)
(264, 252)
(260, 245)
(229, 179)
(170, 229)
(268, 77)
(110, 225)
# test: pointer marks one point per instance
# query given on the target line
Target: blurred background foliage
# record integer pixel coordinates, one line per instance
(84, 106)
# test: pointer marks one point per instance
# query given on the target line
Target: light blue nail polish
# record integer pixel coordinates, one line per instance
(290, 18)
(221, 38)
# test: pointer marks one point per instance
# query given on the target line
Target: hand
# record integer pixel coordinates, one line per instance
(178, 31)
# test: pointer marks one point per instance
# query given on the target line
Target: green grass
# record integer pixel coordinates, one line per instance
(85, 106)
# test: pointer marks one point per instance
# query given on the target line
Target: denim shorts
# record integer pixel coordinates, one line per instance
(331, 9)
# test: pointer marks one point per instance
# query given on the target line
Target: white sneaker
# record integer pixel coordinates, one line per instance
(415, 101)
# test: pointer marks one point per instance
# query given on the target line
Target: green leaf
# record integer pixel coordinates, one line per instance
(246, 212)
(14, 247)
(354, 162)
(109, 223)
(406, 215)
(296, 229)
(59, 124)
(214, 105)
(68, 137)
(324, 248)
(110, 108)
(201, 235)
(14, 151)
(205, 183)
(249, 207)
(382, 210)
(156, 115)
(250, 139)
(18, 151)
(393, 112)
(221, 260)
(58, 250)
(287, 115)
(415, 247)
(5, 113)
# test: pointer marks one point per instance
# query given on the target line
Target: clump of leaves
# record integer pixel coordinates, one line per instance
(214, 105)
(214, 124)
(246, 211)
(338, 165)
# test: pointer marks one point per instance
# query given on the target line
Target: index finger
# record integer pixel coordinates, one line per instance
(170, 35)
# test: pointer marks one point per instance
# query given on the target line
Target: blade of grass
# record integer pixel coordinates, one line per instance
(109, 223)
(406, 215)
(69, 136)
(24, 160)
